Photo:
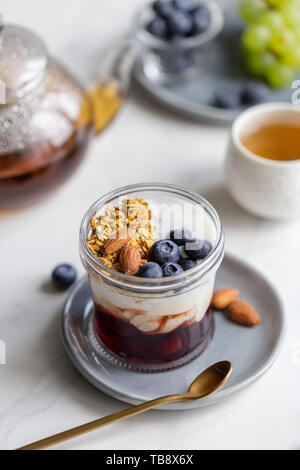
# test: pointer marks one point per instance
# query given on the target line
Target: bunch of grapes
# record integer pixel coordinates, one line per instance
(271, 40)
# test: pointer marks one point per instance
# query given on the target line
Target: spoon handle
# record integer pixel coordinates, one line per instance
(99, 423)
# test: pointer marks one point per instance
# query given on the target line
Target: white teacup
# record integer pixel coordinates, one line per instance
(267, 188)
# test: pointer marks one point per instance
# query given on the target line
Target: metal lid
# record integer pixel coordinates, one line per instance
(23, 60)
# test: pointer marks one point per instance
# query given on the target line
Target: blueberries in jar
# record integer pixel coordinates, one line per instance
(158, 27)
(150, 270)
(254, 92)
(187, 263)
(171, 269)
(177, 19)
(165, 251)
(199, 249)
(181, 236)
(185, 5)
(226, 99)
(63, 276)
(180, 22)
(202, 19)
(162, 8)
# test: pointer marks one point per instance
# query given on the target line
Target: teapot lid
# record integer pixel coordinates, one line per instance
(23, 61)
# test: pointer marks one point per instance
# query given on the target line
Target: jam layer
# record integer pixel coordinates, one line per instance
(128, 342)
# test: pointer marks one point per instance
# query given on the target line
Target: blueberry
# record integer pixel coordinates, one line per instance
(202, 20)
(171, 269)
(185, 5)
(187, 263)
(181, 237)
(64, 276)
(162, 8)
(254, 93)
(226, 100)
(199, 249)
(158, 27)
(176, 37)
(180, 22)
(150, 270)
(165, 251)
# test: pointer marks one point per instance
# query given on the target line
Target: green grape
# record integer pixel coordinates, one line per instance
(297, 35)
(275, 3)
(292, 56)
(291, 15)
(280, 75)
(251, 9)
(258, 63)
(272, 19)
(282, 41)
(256, 37)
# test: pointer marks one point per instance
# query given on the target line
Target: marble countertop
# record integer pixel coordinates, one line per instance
(41, 393)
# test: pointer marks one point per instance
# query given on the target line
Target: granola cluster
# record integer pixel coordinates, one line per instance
(132, 216)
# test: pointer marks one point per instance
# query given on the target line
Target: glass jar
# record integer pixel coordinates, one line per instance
(45, 120)
(167, 61)
(155, 324)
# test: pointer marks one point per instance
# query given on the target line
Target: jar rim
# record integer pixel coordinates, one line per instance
(159, 285)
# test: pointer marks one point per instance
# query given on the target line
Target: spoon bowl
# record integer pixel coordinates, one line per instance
(210, 380)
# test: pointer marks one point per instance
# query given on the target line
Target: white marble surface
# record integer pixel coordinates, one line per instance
(40, 392)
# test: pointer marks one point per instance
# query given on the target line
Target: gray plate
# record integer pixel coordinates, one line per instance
(224, 71)
(251, 350)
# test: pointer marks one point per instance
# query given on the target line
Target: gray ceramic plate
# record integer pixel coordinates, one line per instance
(251, 350)
(223, 71)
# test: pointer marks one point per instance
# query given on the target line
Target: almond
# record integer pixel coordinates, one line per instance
(222, 298)
(112, 245)
(130, 260)
(243, 313)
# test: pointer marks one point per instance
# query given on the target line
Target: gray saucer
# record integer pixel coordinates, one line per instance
(251, 350)
(224, 70)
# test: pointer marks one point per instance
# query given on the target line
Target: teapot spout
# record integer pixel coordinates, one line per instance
(109, 93)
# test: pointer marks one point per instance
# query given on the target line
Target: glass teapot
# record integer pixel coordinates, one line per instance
(46, 118)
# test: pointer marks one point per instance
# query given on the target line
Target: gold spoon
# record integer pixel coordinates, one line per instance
(207, 383)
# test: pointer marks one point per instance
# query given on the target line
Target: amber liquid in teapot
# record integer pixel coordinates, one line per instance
(44, 138)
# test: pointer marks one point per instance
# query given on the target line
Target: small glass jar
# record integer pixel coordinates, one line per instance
(167, 61)
(155, 324)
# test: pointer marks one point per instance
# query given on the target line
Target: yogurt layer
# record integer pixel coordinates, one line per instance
(157, 314)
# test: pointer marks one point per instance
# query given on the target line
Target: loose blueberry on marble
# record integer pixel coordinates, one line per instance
(150, 270)
(254, 93)
(165, 251)
(64, 276)
(181, 236)
(171, 269)
(226, 99)
(187, 263)
(199, 249)
(185, 5)
(158, 27)
(162, 8)
(202, 20)
(180, 22)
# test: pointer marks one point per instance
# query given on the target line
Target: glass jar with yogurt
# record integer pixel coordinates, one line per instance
(154, 324)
